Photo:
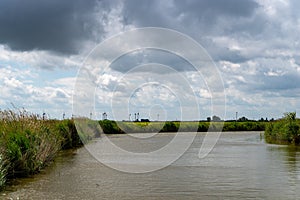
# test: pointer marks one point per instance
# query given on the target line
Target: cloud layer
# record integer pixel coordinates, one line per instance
(255, 45)
(59, 26)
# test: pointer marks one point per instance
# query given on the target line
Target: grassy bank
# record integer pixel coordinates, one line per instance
(28, 143)
(284, 131)
(113, 127)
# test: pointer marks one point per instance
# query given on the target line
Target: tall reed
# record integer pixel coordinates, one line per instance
(28, 141)
(3, 169)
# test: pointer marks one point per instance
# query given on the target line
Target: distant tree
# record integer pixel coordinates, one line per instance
(290, 116)
(243, 119)
(208, 119)
(261, 120)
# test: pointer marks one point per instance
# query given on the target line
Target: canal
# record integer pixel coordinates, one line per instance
(240, 166)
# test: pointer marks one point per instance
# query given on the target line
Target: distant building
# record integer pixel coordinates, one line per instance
(216, 118)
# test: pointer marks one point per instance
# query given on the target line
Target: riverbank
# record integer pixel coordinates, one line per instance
(28, 142)
(284, 131)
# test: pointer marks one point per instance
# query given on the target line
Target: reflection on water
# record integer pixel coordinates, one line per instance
(291, 164)
(240, 166)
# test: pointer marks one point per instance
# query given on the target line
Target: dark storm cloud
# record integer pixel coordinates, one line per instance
(64, 25)
(216, 8)
(56, 25)
(156, 13)
(200, 20)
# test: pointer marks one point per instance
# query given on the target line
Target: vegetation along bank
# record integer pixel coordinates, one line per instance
(284, 131)
(28, 142)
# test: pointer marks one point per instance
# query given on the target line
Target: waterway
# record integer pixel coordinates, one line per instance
(241, 166)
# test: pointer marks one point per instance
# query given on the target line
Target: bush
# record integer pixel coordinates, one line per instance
(203, 126)
(170, 127)
(284, 131)
(110, 127)
(68, 131)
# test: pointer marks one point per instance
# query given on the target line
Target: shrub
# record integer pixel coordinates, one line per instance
(170, 127)
(110, 127)
(284, 131)
(68, 131)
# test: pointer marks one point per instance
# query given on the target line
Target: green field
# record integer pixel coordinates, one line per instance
(113, 127)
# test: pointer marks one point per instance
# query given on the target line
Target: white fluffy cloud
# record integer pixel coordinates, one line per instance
(21, 88)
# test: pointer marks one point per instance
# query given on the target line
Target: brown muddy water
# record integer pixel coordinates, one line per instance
(241, 166)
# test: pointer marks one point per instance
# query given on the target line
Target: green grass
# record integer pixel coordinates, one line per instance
(28, 143)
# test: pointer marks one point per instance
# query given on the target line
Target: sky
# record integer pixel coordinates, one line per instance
(254, 45)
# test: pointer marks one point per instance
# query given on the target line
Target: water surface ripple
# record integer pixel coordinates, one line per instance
(240, 166)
